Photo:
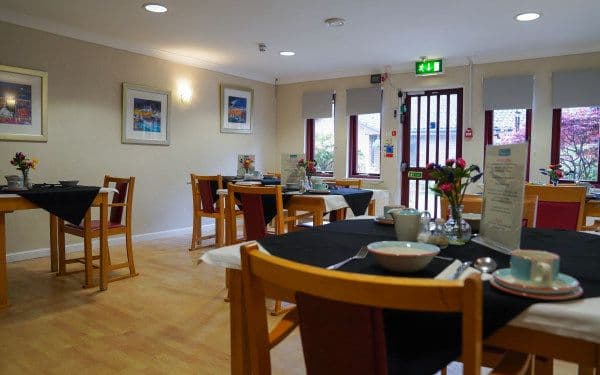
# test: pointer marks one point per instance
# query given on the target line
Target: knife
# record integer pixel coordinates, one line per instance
(462, 268)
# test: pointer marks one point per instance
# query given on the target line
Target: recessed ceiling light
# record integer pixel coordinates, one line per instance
(527, 16)
(155, 8)
(335, 22)
(287, 53)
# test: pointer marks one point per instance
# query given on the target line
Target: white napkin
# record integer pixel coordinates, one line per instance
(449, 271)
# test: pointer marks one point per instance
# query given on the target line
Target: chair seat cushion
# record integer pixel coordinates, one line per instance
(95, 225)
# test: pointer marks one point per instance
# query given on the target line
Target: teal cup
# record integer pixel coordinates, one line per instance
(535, 266)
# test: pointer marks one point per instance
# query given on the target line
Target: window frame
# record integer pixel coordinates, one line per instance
(310, 145)
(353, 152)
(555, 147)
(489, 133)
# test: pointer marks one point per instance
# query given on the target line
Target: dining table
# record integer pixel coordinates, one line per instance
(11, 201)
(568, 330)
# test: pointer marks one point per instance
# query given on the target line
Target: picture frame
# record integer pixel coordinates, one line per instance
(237, 104)
(23, 104)
(146, 112)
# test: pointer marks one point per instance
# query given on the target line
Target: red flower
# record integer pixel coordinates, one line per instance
(559, 173)
(445, 187)
(449, 162)
(461, 163)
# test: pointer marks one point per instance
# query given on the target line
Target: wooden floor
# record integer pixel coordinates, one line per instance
(170, 319)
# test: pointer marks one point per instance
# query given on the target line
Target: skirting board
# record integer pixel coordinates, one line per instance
(71, 248)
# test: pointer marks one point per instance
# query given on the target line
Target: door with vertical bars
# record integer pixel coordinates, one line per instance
(432, 133)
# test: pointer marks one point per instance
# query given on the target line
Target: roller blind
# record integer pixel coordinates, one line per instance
(579, 88)
(365, 100)
(317, 104)
(508, 92)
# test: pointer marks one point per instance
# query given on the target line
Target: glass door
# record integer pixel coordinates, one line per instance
(431, 134)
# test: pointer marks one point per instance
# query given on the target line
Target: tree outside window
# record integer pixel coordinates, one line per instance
(579, 142)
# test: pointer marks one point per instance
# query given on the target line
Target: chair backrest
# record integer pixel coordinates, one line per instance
(345, 182)
(558, 207)
(253, 208)
(360, 296)
(121, 200)
(274, 174)
(203, 195)
(471, 204)
(529, 211)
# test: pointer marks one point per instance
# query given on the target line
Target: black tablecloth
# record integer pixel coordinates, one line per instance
(357, 199)
(421, 343)
(68, 203)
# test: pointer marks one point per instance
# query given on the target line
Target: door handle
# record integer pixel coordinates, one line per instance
(403, 166)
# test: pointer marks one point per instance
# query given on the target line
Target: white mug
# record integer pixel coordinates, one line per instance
(406, 224)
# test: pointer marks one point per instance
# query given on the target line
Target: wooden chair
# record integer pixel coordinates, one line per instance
(208, 204)
(559, 207)
(529, 211)
(345, 182)
(89, 229)
(274, 174)
(359, 348)
(473, 204)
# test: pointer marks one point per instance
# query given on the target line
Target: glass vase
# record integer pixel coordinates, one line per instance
(26, 182)
(457, 229)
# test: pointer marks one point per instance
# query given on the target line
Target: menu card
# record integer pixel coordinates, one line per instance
(503, 187)
(290, 173)
(245, 164)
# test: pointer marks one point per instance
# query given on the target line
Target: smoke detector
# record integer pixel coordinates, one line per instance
(335, 22)
(262, 47)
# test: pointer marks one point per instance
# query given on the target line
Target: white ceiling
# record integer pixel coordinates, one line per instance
(222, 35)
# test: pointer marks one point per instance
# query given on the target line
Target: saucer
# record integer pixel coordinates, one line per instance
(546, 297)
(562, 285)
(383, 220)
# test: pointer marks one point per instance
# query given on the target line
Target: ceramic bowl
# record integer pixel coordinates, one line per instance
(69, 183)
(403, 256)
(474, 220)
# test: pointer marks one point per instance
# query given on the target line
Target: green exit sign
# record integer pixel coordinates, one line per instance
(429, 67)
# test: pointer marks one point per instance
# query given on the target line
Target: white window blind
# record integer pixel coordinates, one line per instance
(508, 92)
(579, 88)
(365, 100)
(317, 104)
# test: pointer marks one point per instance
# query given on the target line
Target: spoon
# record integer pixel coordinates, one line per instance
(485, 264)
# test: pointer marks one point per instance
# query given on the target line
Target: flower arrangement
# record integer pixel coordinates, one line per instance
(451, 181)
(310, 166)
(246, 163)
(23, 162)
(554, 171)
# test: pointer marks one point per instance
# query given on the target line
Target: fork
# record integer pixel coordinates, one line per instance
(362, 253)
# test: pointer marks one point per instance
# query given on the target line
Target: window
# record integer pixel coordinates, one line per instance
(365, 145)
(575, 142)
(508, 126)
(320, 144)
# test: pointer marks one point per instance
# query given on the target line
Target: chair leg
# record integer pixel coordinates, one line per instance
(219, 226)
(195, 237)
(88, 258)
(61, 248)
(129, 245)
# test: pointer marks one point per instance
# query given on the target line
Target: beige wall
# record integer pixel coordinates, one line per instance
(84, 129)
(290, 136)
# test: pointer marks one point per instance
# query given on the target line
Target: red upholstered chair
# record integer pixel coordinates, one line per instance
(208, 204)
(341, 325)
(122, 202)
(559, 207)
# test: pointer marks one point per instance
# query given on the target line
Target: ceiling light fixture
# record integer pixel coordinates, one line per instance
(287, 53)
(335, 22)
(527, 16)
(155, 8)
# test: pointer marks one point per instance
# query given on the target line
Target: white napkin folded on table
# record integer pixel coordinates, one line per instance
(449, 271)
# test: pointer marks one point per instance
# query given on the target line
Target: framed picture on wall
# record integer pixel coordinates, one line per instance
(145, 115)
(23, 104)
(236, 109)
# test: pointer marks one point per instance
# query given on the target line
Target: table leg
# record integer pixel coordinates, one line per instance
(3, 276)
(104, 242)
(318, 217)
(239, 345)
(583, 370)
(53, 243)
(291, 225)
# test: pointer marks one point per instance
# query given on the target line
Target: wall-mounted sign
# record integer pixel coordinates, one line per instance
(469, 133)
(429, 67)
(415, 175)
